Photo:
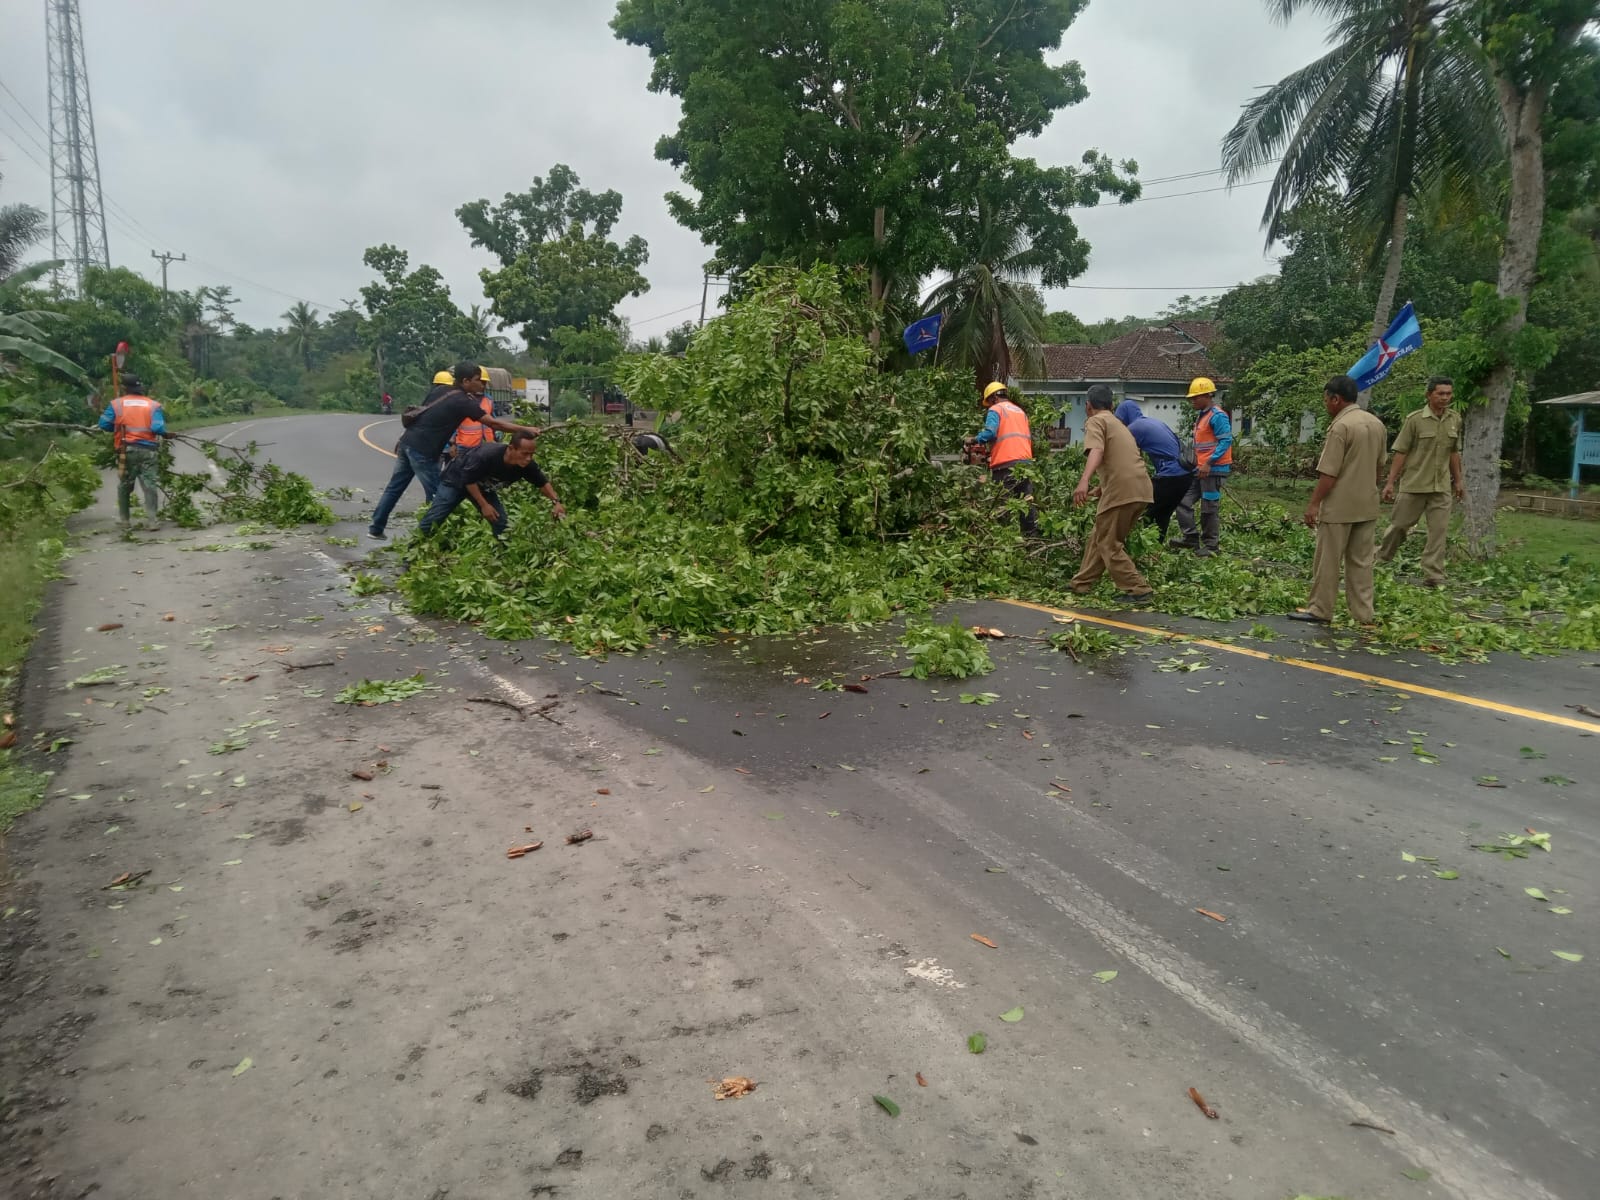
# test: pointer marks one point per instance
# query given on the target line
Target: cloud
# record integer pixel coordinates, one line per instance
(273, 145)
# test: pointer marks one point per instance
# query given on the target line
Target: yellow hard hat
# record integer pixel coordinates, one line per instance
(994, 387)
(483, 374)
(443, 377)
(1202, 387)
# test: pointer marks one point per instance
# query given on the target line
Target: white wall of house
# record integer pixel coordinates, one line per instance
(1069, 398)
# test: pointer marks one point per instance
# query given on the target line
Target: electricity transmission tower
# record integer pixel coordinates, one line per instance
(77, 210)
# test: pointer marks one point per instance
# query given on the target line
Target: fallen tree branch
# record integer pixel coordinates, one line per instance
(516, 708)
(289, 666)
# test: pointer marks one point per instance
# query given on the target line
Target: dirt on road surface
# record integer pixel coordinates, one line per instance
(314, 983)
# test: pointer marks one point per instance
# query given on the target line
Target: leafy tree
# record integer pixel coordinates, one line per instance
(302, 329)
(1529, 45)
(21, 226)
(1063, 329)
(856, 133)
(1398, 108)
(218, 304)
(413, 324)
(676, 340)
(559, 265)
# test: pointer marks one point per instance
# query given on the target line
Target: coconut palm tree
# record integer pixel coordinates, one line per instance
(1401, 107)
(302, 330)
(993, 320)
(21, 225)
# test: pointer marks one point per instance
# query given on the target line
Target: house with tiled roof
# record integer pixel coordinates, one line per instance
(1152, 365)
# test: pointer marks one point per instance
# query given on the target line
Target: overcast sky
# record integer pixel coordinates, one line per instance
(274, 143)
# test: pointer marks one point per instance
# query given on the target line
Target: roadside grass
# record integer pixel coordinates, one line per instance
(27, 563)
(1532, 537)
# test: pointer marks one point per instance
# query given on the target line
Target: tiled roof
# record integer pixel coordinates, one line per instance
(1175, 352)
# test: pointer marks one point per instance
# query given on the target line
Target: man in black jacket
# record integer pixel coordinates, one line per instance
(417, 455)
(472, 476)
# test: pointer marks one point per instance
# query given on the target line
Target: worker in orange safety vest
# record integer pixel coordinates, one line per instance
(136, 425)
(1005, 431)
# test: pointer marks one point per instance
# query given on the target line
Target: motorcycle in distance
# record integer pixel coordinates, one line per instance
(386, 403)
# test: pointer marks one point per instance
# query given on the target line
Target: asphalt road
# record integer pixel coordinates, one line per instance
(1312, 795)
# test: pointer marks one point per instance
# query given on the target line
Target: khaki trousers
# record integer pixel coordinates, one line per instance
(1408, 507)
(1351, 547)
(1106, 552)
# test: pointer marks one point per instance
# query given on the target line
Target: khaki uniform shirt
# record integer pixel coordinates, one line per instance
(1353, 453)
(1428, 442)
(1123, 479)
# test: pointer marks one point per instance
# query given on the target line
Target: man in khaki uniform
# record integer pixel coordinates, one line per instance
(1427, 463)
(1344, 507)
(1125, 489)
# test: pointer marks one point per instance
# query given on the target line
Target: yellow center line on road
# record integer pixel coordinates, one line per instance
(1411, 689)
(370, 445)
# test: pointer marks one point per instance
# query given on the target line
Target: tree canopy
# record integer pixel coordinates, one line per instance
(857, 133)
(559, 265)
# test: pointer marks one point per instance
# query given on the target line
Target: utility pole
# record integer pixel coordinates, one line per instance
(706, 280)
(166, 258)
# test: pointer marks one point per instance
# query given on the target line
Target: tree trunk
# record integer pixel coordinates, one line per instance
(1383, 313)
(880, 285)
(1485, 424)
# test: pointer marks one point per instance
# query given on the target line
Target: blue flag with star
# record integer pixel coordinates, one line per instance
(1403, 337)
(924, 334)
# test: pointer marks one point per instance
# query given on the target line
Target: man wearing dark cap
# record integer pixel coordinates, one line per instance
(417, 455)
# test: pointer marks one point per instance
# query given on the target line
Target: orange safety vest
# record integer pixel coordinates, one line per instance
(475, 433)
(1205, 442)
(134, 421)
(1014, 441)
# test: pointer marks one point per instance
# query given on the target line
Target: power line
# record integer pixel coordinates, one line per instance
(10, 117)
(664, 316)
(26, 111)
(26, 152)
(1176, 195)
(1104, 287)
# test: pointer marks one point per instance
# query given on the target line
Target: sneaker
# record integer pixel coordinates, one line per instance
(1139, 598)
(377, 535)
(1204, 552)
(1182, 544)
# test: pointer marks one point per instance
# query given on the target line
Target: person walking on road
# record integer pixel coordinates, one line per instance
(1160, 445)
(420, 447)
(1344, 507)
(472, 475)
(137, 425)
(1213, 461)
(1427, 466)
(1125, 489)
(1010, 440)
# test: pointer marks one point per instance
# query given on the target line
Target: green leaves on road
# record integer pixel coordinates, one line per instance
(1567, 956)
(1105, 976)
(888, 1105)
(384, 691)
(1013, 1016)
(977, 1043)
